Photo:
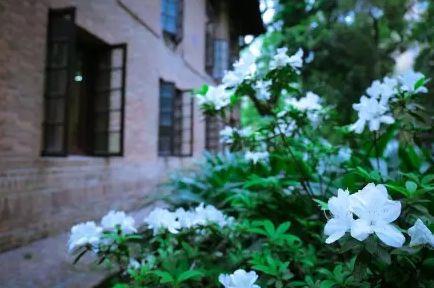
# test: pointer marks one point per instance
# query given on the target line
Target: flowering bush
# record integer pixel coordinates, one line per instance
(294, 200)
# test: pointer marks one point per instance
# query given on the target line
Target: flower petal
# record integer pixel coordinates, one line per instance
(335, 229)
(389, 234)
(360, 229)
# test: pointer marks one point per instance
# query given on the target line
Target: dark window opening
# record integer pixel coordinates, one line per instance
(171, 19)
(176, 121)
(84, 91)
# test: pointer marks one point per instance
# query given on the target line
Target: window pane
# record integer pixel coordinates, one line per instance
(54, 138)
(58, 54)
(114, 142)
(115, 121)
(57, 81)
(55, 110)
(221, 58)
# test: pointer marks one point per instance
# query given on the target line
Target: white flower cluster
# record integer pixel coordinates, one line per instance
(374, 108)
(90, 234)
(239, 279)
(281, 59)
(242, 69)
(285, 127)
(311, 104)
(262, 89)
(216, 97)
(375, 212)
(256, 157)
(228, 134)
(162, 219)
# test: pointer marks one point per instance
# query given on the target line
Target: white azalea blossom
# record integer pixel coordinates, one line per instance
(340, 223)
(243, 69)
(162, 219)
(371, 112)
(239, 279)
(118, 219)
(84, 234)
(216, 97)
(420, 234)
(408, 81)
(209, 214)
(227, 135)
(310, 102)
(186, 219)
(263, 90)
(376, 212)
(383, 90)
(281, 59)
(256, 157)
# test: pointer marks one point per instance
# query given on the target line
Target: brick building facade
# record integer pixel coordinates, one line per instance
(54, 168)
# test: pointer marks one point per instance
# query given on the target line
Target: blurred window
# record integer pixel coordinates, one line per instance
(171, 19)
(175, 135)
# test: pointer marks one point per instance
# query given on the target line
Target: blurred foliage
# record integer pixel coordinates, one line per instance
(352, 42)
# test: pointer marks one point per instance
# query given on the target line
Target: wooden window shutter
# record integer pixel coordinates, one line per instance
(109, 102)
(58, 76)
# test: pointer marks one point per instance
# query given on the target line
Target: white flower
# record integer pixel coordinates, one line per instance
(209, 214)
(310, 102)
(84, 234)
(245, 132)
(376, 212)
(420, 234)
(227, 135)
(344, 154)
(118, 219)
(340, 207)
(409, 79)
(161, 218)
(262, 90)
(255, 157)
(239, 279)
(231, 78)
(370, 111)
(217, 97)
(383, 90)
(281, 59)
(285, 128)
(187, 219)
(242, 69)
(296, 60)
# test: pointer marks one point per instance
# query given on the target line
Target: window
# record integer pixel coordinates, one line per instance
(171, 19)
(176, 121)
(221, 58)
(84, 91)
(213, 126)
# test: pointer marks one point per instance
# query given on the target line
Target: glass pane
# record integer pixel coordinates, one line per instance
(58, 55)
(116, 99)
(114, 143)
(117, 58)
(55, 110)
(101, 142)
(54, 138)
(57, 81)
(101, 122)
(166, 119)
(102, 101)
(116, 79)
(115, 121)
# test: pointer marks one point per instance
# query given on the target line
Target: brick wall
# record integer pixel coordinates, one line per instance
(44, 195)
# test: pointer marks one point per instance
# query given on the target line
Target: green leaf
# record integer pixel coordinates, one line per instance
(411, 186)
(186, 275)
(165, 277)
(327, 284)
(323, 205)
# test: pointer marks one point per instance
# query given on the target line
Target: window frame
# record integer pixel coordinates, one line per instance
(71, 58)
(179, 21)
(172, 134)
(52, 13)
